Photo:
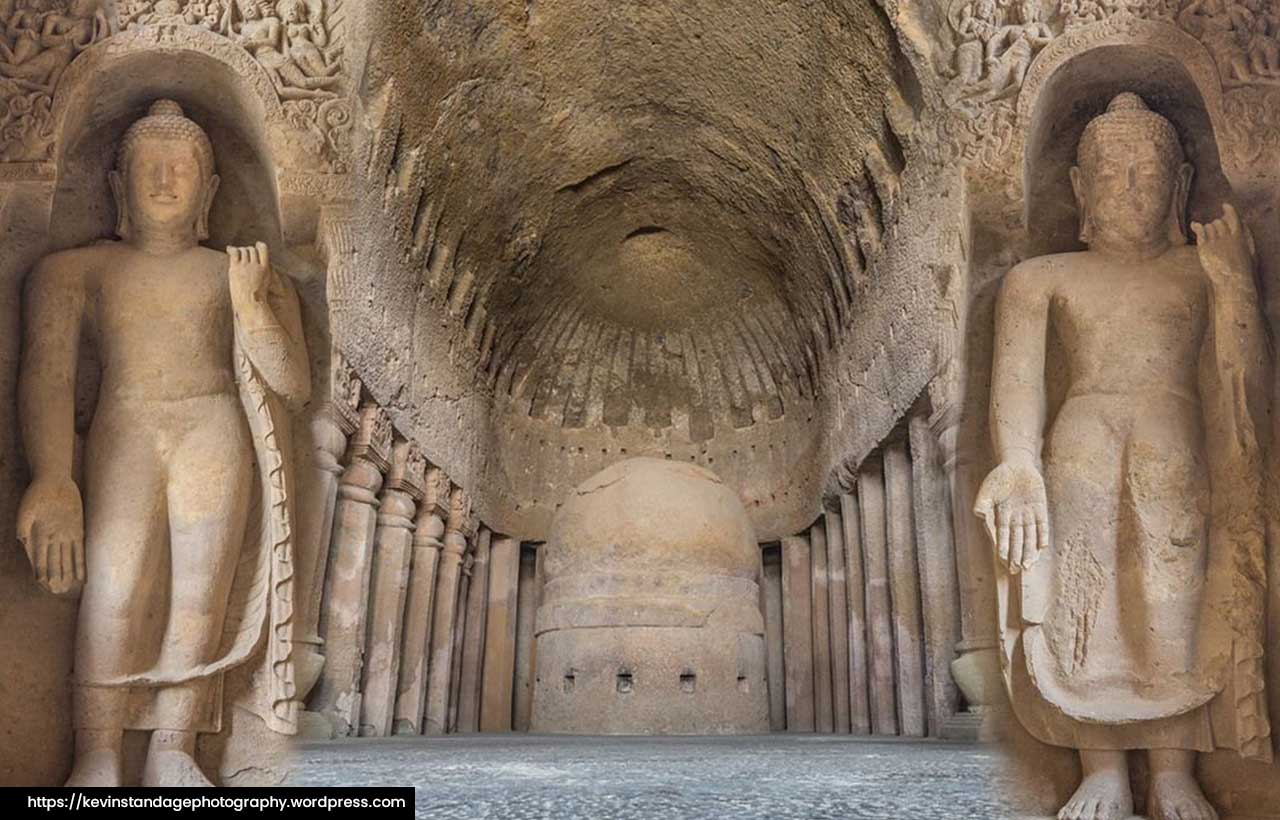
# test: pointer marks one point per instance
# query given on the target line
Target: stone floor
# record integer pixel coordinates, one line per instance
(519, 777)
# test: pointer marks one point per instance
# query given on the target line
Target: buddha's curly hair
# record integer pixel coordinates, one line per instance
(1128, 114)
(166, 120)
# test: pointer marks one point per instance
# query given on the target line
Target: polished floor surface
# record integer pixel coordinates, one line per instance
(520, 777)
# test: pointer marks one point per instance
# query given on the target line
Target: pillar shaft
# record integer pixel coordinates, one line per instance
(388, 589)
(411, 689)
(526, 616)
(439, 668)
(473, 640)
(797, 626)
(823, 708)
(459, 634)
(904, 585)
(856, 586)
(498, 676)
(880, 674)
(938, 582)
(839, 617)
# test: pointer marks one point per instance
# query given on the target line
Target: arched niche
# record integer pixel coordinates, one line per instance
(94, 108)
(1078, 90)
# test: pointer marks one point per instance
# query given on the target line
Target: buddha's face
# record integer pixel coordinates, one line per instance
(165, 189)
(1128, 189)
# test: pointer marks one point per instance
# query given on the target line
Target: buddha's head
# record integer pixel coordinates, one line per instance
(164, 180)
(1131, 178)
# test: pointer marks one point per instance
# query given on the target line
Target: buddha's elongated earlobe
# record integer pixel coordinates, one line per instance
(1181, 195)
(1078, 186)
(123, 226)
(202, 220)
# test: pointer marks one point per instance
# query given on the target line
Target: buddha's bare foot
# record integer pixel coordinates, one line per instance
(173, 767)
(1177, 796)
(97, 768)
(1103, 795)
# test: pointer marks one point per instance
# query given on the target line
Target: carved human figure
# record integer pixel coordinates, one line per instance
(1224, 26)
(977, 22)
(263, 35)
(62, 37)
(204, 13)
(183, 556)
(22, 33)
(305, 36)
(1128, 394)
(1010, 51)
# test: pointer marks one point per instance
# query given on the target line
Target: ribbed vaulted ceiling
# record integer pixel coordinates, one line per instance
(643, 214)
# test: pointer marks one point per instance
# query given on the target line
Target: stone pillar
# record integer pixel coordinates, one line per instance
(388, 587)
(497, 689)
(331, 424)
(411, 689)
(871, 503)
(855, 580)
(527, 604)
(938, 583)
(473, 640)
(343, 612)
(797, 627)
(439, 667)
(824, 712)
(771, 596)
(839, 618)
(904, 584)
(459, 633)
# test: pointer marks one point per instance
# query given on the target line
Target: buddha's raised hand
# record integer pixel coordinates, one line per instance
(1013, 504)
(51, 529)
(250, 271)
(1226, 249)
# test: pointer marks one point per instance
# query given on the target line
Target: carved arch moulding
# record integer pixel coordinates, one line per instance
(290, 56)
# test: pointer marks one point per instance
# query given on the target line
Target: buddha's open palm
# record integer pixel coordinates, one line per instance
(51, 528)
(1013, 504)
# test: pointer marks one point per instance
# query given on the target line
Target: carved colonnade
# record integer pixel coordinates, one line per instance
(866, 609)
(410, 607)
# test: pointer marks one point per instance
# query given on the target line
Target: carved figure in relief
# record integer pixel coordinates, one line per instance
(305, 34)
(1010, 51)
(976, 23)
(263, 35)
(182, 540)
(1128, 405)
(22, 32)
(208, 15)
(62, 36)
